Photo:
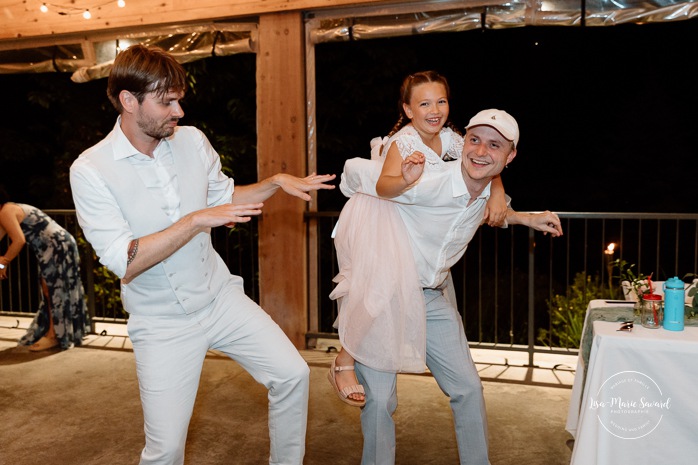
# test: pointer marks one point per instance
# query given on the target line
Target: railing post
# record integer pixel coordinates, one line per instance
(531, 295)
(90, 278)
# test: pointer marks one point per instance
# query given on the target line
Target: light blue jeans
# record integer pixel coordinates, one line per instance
(449, 360)
(170, 352)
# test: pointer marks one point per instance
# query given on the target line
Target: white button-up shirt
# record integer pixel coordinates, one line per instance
(438, 219)
(99, 211)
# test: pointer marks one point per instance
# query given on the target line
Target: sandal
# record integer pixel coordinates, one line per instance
(347, 391)
(44, 343)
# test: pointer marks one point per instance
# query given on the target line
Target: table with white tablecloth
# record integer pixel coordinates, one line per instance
(635, 400)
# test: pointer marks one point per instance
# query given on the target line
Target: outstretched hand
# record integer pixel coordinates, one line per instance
(298, 187)
(227, 215)
(547, 222)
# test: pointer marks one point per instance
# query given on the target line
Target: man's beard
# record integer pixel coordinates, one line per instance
(157, 131)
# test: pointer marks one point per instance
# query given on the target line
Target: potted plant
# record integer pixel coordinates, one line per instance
(634, 285)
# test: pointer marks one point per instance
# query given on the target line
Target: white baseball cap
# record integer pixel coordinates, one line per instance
(502, 121)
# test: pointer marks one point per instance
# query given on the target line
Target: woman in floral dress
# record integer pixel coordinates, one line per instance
(62, 318)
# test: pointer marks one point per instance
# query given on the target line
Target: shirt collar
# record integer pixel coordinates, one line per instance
(123, 148)
(458, 183)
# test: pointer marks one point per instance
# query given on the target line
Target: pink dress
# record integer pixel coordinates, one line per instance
(382, 314)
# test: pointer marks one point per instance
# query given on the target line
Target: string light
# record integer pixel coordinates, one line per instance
(67, 10)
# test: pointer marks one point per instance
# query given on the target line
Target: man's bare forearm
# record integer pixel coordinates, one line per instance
(547, 221)
(146, 251)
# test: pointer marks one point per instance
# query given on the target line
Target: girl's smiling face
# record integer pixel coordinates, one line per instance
(428, 108)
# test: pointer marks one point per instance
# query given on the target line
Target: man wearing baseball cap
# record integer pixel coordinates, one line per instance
(502, 121)
(489, 146)
(440, 210)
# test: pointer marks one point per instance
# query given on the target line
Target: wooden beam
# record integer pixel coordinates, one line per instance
(281, 147)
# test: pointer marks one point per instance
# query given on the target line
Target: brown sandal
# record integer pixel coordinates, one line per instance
(344, 394)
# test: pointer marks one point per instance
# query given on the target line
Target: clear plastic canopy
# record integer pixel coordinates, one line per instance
(90, 58)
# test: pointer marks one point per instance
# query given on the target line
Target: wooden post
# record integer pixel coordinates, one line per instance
(281, 147)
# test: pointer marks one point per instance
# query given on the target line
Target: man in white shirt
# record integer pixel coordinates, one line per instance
(147, 197)
(441, 211)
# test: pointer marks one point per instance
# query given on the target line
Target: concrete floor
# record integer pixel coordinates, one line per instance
(81, 407)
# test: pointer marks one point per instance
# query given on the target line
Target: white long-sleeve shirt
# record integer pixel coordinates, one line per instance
(439, 221)
(98, 212)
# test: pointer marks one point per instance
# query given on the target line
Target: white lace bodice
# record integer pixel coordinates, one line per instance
(408, 141)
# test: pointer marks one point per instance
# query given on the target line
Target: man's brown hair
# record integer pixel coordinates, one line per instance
(141, 70)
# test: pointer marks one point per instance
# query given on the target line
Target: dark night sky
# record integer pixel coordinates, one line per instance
(607, 114)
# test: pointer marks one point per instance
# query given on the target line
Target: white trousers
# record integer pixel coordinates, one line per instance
(170, 352)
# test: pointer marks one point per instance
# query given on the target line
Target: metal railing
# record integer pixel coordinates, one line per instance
(507, 276)
(503, 283)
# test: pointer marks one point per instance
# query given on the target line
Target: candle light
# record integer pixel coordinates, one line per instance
(610, 249)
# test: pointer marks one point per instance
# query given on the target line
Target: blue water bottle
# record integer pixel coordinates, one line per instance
(673, 304)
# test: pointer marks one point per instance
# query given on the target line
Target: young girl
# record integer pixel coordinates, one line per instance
(382, 312)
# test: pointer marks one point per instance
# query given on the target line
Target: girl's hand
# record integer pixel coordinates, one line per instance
(496, 208)
(494, 213)
(412, 167)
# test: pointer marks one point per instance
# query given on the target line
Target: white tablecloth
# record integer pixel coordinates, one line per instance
(640, 399)
(617, 311)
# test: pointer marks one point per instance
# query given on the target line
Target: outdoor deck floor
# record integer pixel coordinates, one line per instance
(81, 407)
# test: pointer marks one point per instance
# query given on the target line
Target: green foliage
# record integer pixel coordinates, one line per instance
(53, 120)
(638, 282)
(221, 102)
(567, 312)
(107, 289)
(692, 292)
(108, 292)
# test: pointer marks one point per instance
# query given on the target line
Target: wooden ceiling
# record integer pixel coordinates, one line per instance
(22, 20)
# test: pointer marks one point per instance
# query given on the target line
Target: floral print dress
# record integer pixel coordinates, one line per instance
(59, 266)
